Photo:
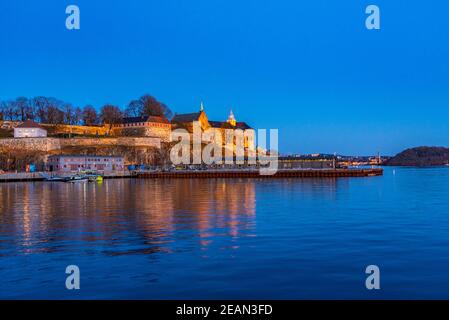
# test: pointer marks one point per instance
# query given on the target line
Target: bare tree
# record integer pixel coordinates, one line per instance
(55, 115)
(152, 107)
(133, 109)
(69, 114)
(20, 106)
(167, 111)
(2, 110)
(40, 105)
(48, 110)
(9, 110)
(111, 115)
(146, 106)
(89, 116)
(78, 115)
(24, 109)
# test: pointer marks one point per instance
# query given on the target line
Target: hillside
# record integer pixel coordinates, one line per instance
(421, 157)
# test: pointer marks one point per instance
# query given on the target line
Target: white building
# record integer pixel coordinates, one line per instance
(73, 163)
(29, 129)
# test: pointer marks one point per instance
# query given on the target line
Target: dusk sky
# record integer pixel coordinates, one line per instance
(308, 68)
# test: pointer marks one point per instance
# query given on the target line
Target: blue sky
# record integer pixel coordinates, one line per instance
(309, 68)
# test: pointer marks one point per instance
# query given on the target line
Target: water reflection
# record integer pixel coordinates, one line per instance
(228, 239)
(123, 216)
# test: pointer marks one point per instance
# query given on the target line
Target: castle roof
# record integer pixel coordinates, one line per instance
(190, 117)
(227, 125)
(242, 125)
(158, 119)
(186, 117)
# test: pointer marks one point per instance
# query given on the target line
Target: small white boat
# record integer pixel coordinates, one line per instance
(75, 179)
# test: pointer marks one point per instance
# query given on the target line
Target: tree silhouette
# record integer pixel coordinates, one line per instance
(146, 106)
(89, 116)
(111, 115)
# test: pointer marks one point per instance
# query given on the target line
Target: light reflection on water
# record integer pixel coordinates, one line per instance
(45, 217)
(286, 238)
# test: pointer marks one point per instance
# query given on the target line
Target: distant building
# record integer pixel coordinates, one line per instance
(29, 129)
(72, 163)
(152, 126)
(186, 121)
(292, 162)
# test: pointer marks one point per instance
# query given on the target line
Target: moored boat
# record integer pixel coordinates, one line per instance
(50, 178)
(54, 178)
(76, 178)
(95, 178)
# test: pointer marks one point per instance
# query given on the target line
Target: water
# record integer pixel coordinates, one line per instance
(240, 239)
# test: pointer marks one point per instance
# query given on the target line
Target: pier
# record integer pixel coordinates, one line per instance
(40, 176)
(306, 173)
(211, 174)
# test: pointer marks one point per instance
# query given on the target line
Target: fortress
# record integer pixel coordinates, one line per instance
(149, 127)
(137, 139)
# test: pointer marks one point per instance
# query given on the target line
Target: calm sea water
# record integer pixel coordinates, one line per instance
(241, 239)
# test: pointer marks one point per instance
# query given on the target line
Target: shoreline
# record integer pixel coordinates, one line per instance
(281, 173)
(211, 174)
(38, 176)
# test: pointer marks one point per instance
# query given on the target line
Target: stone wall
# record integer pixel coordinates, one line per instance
(8, 125)
(56, 144)
(162, 132)
(62, 128)
(76, 130)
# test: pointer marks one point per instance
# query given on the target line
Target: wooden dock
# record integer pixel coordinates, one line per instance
(208, 174)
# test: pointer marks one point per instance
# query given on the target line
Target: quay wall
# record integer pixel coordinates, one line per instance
(325, 173)
(304, 173)
(20, 176)
(39, 176)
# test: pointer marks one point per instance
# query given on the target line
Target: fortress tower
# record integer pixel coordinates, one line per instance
(231, 119)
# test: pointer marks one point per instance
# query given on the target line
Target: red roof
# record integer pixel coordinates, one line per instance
(30, 124)
(159, 119)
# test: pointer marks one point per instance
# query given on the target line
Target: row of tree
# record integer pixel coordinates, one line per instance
(53, 111)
